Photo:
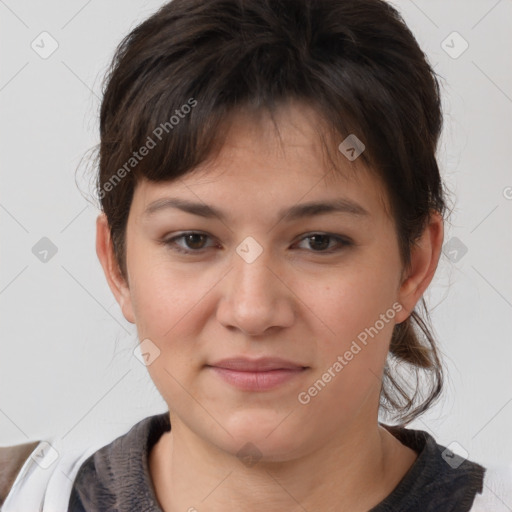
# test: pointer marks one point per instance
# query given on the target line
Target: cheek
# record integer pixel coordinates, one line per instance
(357, 306)
(354, 300)
(164, 296)
(172, 305)
(348, 374)
(166, 305)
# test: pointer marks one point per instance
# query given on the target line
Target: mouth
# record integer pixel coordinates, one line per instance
(256, 374)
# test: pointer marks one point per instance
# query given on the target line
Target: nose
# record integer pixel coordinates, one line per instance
(255, 297)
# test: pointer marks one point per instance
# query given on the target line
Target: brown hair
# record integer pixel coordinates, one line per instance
(181, 73)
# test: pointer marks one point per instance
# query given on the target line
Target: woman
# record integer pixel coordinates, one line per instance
(272, 213)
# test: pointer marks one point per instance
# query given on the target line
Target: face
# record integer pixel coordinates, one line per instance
(303, 305)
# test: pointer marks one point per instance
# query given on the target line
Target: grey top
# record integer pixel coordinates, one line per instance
(116, 477)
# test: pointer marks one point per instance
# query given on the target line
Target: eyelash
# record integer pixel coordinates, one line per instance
(171, 242)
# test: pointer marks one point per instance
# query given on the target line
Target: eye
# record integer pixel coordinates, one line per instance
(319, 242)
(194, 242)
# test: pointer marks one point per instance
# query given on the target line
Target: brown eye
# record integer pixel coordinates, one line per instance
(194, 240)
(191, 242)
(321, 242)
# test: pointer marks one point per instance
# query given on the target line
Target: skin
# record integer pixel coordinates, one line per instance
(294, 301)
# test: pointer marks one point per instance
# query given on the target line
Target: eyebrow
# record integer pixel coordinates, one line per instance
(295, 212)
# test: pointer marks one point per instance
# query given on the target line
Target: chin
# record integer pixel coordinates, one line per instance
(263, 435)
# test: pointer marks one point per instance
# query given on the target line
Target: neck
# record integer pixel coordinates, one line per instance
(353, 471)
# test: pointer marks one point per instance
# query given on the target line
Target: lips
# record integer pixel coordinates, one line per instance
(256, 375)
(265, 364)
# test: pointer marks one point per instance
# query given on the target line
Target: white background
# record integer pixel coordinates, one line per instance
(67, 368)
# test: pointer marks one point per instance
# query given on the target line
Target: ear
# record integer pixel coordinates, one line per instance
(115, 280)
(425, 256)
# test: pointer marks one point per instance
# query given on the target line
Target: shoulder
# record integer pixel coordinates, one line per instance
(39, 473)
(438, 480)
(117, 475)
(496, 495)
(45, 475)
(12, 459)
(448, 481)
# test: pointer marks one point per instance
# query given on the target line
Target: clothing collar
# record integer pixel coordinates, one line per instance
(117, 476)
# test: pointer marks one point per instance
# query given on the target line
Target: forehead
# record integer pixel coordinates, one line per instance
(283, 158)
